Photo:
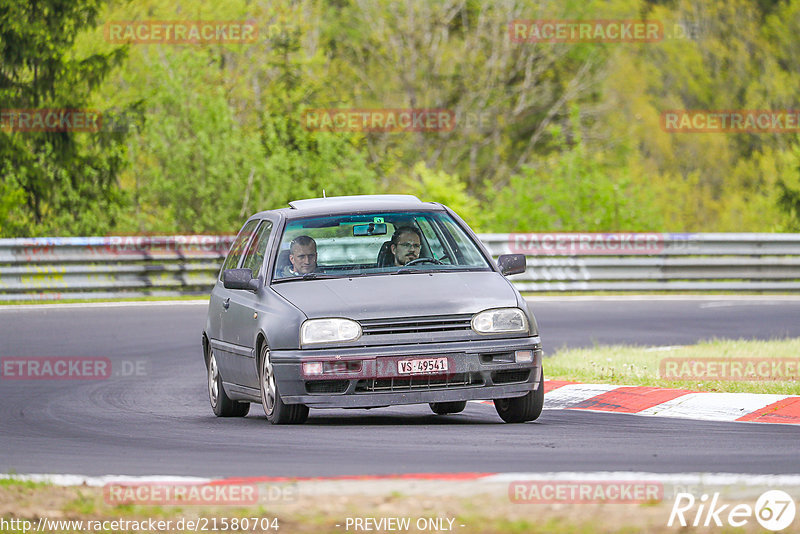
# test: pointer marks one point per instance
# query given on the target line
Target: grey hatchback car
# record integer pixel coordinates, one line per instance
(368, 301)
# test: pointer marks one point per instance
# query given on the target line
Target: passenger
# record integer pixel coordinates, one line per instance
(302, 256)
(406, 245)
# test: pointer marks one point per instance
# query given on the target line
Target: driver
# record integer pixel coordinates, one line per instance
(302, 256)
(406, 245)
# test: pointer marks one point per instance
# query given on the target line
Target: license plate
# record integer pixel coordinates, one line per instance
(422, 365)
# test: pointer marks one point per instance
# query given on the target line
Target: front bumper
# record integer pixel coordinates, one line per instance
(482, 369)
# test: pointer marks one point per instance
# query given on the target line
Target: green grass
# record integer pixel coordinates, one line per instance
(18, 483)
(82, 504)
(639, 366)
(480, 513)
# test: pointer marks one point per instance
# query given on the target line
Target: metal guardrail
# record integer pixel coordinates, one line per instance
(109, 267)
(132, 266)
(654, 262)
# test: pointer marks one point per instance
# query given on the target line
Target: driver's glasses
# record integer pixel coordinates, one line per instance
(415, 246)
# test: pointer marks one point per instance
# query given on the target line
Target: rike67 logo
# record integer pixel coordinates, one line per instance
(774, 510)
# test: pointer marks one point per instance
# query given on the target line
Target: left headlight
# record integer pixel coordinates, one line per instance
(500, 321)
(329, 331)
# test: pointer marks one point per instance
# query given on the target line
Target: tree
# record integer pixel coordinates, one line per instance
(58, 182)
(223, 137)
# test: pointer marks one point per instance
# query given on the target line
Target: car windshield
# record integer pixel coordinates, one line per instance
(375, 243)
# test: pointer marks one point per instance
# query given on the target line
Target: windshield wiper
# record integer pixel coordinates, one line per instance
(307, 276)
(438, 269)
(315, 276)
(409, 270)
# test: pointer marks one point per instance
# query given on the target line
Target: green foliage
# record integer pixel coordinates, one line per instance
(192, 159)
(211, 153)
(12, 204)
(438, 186)
(547, 136)
(789, 192)
(571, 189)
(54, 182)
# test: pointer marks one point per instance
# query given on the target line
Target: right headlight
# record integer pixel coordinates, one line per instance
(329, 331)
(500, 321)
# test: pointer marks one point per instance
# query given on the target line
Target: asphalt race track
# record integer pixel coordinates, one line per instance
(662, 321)
(152, 415)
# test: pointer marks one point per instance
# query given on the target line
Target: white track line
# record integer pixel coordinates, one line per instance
(83, 480)
(718, 479)
(713, 406)
(132, 304)
(572, 394)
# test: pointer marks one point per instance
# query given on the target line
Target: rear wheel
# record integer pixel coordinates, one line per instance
(278, 412)
(522, 409)
(222, 405)
(443, 408)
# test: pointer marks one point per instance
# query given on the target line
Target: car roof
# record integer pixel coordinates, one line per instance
(353, 204)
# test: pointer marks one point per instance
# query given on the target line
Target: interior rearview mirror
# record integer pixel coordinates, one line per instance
(369, 229)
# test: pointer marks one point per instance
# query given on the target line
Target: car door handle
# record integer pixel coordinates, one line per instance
(226, 303)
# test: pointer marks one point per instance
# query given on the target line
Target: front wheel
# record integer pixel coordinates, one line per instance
(442, 408)
(522, 409)
(222, 405)
(278, 412)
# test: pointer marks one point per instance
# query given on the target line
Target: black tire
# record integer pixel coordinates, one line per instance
(443, 408)
(221, 404)
(278, 412)
(522, 409)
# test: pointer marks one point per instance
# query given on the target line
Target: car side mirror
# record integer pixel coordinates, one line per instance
(239, 279)
(511, 264)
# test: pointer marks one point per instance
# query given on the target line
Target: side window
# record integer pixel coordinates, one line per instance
(238, 247)
(254, 256)
(465, 250)
(433, 240)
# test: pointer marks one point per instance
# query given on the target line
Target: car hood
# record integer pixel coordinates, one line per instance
(402, 295)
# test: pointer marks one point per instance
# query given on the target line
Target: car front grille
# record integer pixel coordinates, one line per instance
(511, 376)
(419, 382)
(417, 325)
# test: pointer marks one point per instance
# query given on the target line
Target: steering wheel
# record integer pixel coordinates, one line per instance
(421, 260)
